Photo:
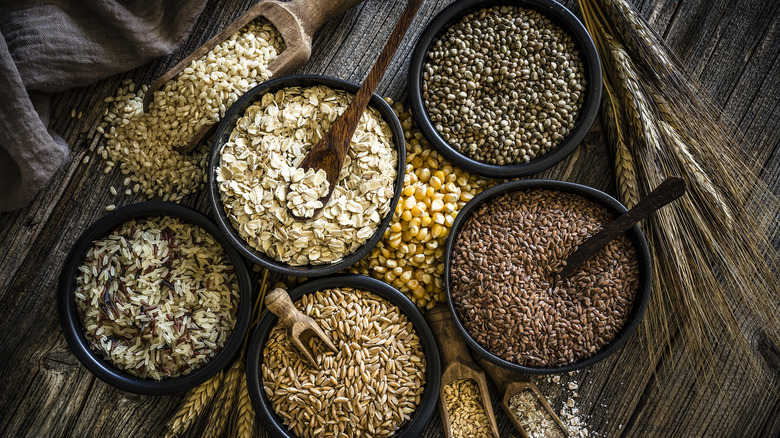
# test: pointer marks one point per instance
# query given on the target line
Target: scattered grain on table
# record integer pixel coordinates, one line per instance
(143, 145)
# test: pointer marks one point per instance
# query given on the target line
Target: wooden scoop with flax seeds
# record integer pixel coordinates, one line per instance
(457, 364)
(300, 327)
(296, 21)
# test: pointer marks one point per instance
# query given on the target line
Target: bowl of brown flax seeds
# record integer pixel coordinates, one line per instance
(505, 88)
(501, 260)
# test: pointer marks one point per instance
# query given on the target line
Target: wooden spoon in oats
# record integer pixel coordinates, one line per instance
(324, 161)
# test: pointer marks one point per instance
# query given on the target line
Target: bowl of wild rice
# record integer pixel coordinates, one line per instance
(501, 260)
(152, 298)
(383, 380)
(253, 169)
(505, 88)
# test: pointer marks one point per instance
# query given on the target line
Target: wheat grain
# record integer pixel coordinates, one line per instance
(625, 171)
(197, 400)
(246, 413)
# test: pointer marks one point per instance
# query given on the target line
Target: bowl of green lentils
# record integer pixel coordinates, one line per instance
(505, 88)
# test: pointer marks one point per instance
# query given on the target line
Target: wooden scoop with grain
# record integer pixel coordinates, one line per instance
(296, 21)
(536, 418)
(457, 364)
(300, 327)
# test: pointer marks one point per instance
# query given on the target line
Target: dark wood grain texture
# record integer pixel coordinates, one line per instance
(732, 48)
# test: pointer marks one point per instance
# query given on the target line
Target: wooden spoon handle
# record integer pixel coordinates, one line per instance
(312, 14)
(280, 304)
(452, 348)
(363, 96)
(666, 192)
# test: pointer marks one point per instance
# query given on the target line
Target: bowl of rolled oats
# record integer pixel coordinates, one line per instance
(383, 380)
(152, 298)
(254, 164)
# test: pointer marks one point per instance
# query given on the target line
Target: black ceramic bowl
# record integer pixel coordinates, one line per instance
(223, 134)
(419, 419)
(560, 16)
(635, 235)
(71, 325)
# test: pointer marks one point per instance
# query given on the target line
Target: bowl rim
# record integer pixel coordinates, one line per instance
(635, 233)
(226, 127)
(71, 324)
(561, 16)
(430, 397)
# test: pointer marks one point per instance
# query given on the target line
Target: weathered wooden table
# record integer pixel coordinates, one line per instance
(733, 47)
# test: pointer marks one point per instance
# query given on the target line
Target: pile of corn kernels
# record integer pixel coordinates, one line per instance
(410, 256)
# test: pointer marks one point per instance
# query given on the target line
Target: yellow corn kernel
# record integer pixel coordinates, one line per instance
(412, 247)
(396, 227)
(406, 216)
(437, 205)
(436, 230)
(389, 276)
(447, 169)
(451, 178)
(408, 191)
(419, 294)
(466, 196)
(424, 174)
(406, 276)
(394, 243)
(417, 162)
(413, 230)
(462, 181)
(449, 207)
(409, 202)
(438, 218)
(451, 198)
(435, 181)
(380, 269)
(416, 221)
(422, 234)
(452, 188)
(391, 264)
(417, 210)
(429, 192)
(419, 194)
(425, 220)
(439, 253)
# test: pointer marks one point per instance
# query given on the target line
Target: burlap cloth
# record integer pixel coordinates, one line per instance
(50, 46)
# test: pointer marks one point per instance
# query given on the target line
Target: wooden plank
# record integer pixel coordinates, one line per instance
(44, 391)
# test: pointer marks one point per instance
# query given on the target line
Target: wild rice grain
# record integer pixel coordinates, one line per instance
(157, 297)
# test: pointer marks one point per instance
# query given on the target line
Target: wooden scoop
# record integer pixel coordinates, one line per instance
(328, 154)
(296, 21)
(457, 364)
(300, 327)
(511, 384)
(666, 192)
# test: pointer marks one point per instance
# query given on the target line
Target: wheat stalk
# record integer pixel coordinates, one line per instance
(625, 171)
(197, 401)
(714, 266)
(225, 401)
(245, 424)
